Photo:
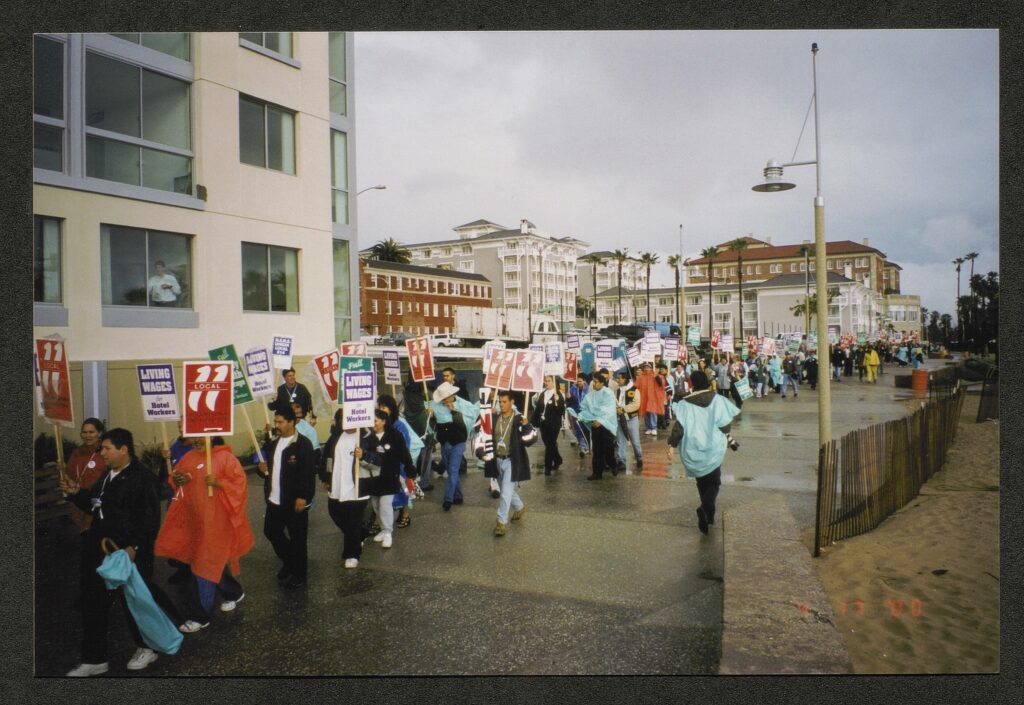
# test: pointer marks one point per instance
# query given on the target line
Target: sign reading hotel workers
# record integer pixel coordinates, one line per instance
(421, 360)
(392, 367)
(358, 396)
(55, 381)
(242, 394)
(671, 349)
(327, 372)
(261, 375)
(499, 369)
(282, 349)
(572, 341)
(554, 359)
(208, 392)
(633, 356)
(156, 387)
(603, 355)
(528, 372)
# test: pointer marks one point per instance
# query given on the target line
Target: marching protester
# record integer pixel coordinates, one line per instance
(871, 364)
(601, 412)
(347, 500)
(293, 392)
(628, 402)
(403, 500)
(209, 534)
(548, 413)
(125, 509)
(577, 392)
(455, 417)
(811, 369)
(512, 435)
(86, 465)
(385, 448)
(288, 489)
(700, 436)
(790, 374)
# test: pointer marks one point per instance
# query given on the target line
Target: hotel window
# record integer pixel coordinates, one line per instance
(467, 249)
(277, 42)
(466, 266)
(336, 72)
(694, 319)
(792, 266)
(174, 44)
(373, 306)
(723, 320)
(339, 177)
(833, 310)
(46, 261)
(138, 126)
(270, 278)
(266, 135)
(48, 104)
(693, 300)
(130, 260)
(723, 298)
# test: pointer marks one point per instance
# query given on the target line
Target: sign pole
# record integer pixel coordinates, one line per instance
(209, 463)
(163, 434)
(252, 434)
(60, 451)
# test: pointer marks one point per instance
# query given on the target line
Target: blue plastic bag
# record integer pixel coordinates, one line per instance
(157, 630)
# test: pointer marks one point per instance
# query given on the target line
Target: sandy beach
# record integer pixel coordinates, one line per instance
(920, 593)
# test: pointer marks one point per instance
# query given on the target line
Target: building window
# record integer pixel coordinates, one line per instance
(145, 268)
(399, 311)
(46, 259)
(792, 266)
(757, 269)
(803, 266)
(723, 320)
(426, 254)
(446, 310)
(373, 306)
(467, 249)
(343, 292)
(833, 310)
(48, 104)
(277, 42)
(828, 264)
(339, 177)
(466, 266)
(270, 278)
(693, 300)
(723, 298)
(138, 126)
(266, 135)
(435, 310)
(694, 319)
(174, 44)
(447, 251)
(336, 72)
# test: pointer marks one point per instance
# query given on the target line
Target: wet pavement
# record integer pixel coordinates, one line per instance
(608, 577)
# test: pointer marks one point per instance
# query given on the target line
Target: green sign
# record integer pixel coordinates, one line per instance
(862, 338)
(743, 387)
(744, 351)
(693, 336)
(812, 341)
(350, 363)
(241, 393)
(793, 344)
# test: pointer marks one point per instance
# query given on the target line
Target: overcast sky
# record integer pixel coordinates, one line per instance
(617, 138)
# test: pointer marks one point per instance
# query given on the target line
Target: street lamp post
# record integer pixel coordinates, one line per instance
(371, 188)
(773, 182)
(388, 301)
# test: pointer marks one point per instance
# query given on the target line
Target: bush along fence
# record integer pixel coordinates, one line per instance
(868, 474)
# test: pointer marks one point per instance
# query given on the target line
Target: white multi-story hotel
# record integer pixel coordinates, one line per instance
(191, 190)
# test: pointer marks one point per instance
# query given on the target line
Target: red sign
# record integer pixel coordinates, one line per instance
(327, 365)
(499, 369)
(421, 361)
(208, 392)
(571, 369)
(353, 349)
(528, 371)
(714, 340)
(684, 353)
(55, 381)
(752, 344)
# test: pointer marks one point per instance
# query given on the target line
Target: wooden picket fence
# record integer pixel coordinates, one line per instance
(868, 474)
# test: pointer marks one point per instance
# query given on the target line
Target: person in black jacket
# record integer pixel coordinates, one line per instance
(547, 415)
(384, 447)
(512, 435)
(288, 489)
(125, 508)
(292, 392)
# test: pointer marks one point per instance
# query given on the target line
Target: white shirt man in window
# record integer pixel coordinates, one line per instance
(164, 289)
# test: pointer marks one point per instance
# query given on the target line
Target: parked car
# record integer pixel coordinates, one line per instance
(630, 332)
(446, 341)
(396, 338)
(365, 337)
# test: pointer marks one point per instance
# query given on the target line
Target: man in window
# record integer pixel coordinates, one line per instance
(164, 289)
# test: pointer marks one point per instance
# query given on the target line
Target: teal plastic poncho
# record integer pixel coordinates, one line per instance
(470, 412)
(703, 446)
(775, 370)
(600, 406)
(157, 630)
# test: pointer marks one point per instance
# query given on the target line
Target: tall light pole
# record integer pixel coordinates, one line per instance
(773, 182)
(388, 302)
(682, 285)
(372, 188)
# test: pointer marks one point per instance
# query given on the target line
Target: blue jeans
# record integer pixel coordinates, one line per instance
(633, 425)
(451, 458)
(581, 434)
(509, 495)
(651, 420)
(786, 381)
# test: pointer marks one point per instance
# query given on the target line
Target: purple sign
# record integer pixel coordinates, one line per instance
(156, 387)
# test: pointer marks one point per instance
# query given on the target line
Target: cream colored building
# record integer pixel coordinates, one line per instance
(227, 156)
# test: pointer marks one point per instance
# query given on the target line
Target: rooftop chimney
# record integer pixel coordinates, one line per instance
(866, 242)
(522, 227)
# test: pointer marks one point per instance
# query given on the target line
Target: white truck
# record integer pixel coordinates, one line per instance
(478, 324)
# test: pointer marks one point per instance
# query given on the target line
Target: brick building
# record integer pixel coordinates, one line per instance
(413, 299)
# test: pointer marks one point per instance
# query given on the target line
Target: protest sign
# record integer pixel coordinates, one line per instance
(554, 359)
(528, 371)
(725, 343)
(392, 367)
(585, 362)
(651, 335)
(208, 391)
(792, 344)
(716, 338)
(327, 372)
(421, 360)
(240, 388)
(603, 353)
(355, 348)
(633, 356)
(499, 369)
(38, 387)
(489, 347)
(862, 338)
(156, 387)
(536, 347)
(743, 387)
(767, 346)
(649, 350)
(55, 381)
(693, 336)
(572, 341)
(745, 351)
(671, 349)
(812, 341)
(358, 397)
(281, 347)
(352, 363)
(261, 376)
(571, 365)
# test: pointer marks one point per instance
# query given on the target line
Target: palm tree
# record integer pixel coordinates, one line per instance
(709, 253)
(972, 316)
(674, 261)
(811, 304)
(805, 252)
(945, 320)
(959, 323)
(648, 259)
(737, 246)
(390, 250)
(594, 260)
(620, 257)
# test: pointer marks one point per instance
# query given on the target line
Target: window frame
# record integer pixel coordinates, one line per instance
(270, 299)
(265, 104)
(289, 60)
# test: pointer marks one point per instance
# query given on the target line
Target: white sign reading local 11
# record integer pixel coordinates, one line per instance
(358, 390)
(156, 387)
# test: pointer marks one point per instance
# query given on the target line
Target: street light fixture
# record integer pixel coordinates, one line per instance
(773, 182)
(371, 188)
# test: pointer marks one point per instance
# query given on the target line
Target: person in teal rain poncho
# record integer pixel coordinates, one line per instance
(701, 435)
(455, 419)
(598, 409)
(775, 372)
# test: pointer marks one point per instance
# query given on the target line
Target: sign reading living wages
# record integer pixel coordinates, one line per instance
(156, 388)
(358, 396)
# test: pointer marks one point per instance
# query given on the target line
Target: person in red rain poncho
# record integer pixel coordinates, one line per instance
(652, 397)
(208, 533)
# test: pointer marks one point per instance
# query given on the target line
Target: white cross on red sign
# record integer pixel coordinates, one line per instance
(421, 361)
(208, 392)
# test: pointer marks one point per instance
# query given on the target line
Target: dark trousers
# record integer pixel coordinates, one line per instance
(734, 394)
(229, 587)
(552, 458)
(707, 488)
(290, 548)
(96, 600)
(603, 449)
(348, 516)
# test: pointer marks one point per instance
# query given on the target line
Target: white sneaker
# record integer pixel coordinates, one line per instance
(142, 658)
(229, 605)
(351, 562)
(386, 542)
(84, 670)
(190, 627)
(379, 536)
